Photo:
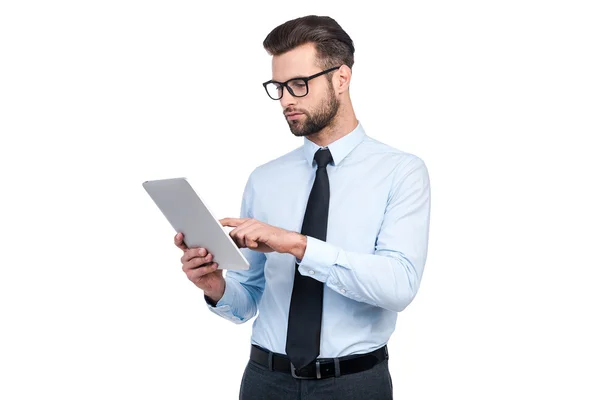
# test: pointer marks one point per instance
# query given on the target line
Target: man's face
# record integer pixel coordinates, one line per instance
(315, 111)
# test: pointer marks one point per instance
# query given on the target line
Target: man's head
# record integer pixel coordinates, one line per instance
(302, 48)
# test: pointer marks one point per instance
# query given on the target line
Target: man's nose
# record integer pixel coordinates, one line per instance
(287, 99)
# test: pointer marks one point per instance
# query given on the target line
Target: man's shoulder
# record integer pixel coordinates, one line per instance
(276, 166)
(389, 153)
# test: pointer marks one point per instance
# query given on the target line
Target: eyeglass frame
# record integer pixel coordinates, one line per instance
(305, 79)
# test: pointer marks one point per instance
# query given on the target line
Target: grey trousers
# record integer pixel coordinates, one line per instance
(258, 383)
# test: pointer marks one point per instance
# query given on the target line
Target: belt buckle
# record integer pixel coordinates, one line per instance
(318, 368)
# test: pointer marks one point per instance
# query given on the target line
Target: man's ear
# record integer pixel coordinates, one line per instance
(343, 77)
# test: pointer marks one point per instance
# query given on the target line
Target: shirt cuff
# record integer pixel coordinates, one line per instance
(318, 259)
(224, 305)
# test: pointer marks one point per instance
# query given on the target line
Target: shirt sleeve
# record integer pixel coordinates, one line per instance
(390, 277)
(243, 289)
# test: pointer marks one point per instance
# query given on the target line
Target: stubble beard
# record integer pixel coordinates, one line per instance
(317, 121)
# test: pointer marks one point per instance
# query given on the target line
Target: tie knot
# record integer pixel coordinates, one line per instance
(323, 157)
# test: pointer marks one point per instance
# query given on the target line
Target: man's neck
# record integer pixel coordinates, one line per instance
(340, 127)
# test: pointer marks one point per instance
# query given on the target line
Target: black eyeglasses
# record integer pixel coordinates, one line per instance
(298, 87)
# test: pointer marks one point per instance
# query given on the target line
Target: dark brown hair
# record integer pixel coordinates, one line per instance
(334, 46)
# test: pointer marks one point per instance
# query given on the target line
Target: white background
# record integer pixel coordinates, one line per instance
(500, 99)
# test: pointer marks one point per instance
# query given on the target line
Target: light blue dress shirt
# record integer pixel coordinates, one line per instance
(372, 261)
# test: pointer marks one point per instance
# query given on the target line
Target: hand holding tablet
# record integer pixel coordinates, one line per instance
(189, 215)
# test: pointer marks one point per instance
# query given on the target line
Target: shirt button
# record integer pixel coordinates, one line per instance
(343, 290)
(311, 272)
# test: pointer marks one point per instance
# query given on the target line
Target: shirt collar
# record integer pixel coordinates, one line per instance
(339, 149)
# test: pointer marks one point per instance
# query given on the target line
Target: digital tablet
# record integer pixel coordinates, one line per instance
(187, 213)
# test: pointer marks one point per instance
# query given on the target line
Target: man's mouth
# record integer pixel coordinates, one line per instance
(294, 115)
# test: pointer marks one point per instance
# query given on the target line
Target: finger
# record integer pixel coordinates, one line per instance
(179, 241)
(248, 235)
(197, 262)
(233, 221)
(237, 234)
(198, 273)
(194, 252)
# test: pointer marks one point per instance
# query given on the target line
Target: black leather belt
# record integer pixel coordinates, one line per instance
(322, 367)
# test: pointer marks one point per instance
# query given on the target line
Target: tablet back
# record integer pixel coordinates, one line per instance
(187, 213)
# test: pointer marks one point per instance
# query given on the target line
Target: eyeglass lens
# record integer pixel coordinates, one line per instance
(297, 86)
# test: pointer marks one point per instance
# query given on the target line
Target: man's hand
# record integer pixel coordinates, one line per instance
(198, 265)
(265, 238)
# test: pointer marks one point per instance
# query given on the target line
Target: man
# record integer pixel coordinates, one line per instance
(335, 231)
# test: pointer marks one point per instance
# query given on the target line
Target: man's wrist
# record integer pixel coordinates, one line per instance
(210, 301)
(299, 246)
(213, 298)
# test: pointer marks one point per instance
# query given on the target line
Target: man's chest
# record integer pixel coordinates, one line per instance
(358, 199)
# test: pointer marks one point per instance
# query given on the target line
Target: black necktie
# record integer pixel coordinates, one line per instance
(306, 306)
